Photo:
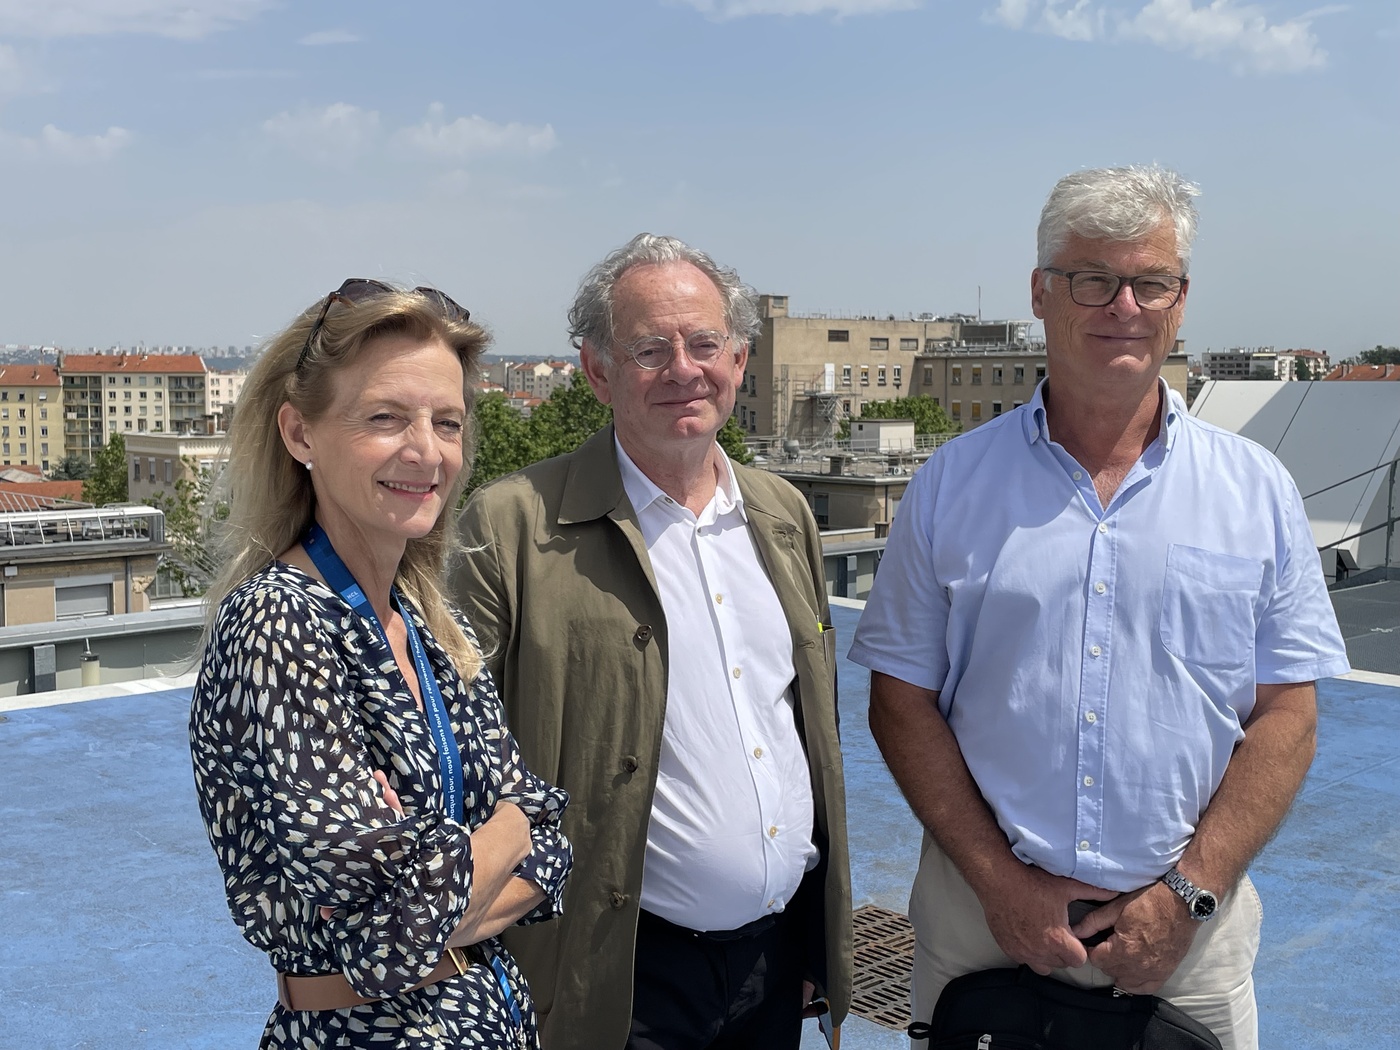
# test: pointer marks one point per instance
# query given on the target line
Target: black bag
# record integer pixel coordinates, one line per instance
(1017, 1009)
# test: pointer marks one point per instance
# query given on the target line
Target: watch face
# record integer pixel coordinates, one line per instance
(1203, 907)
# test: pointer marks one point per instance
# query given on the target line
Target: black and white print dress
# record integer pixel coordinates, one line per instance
(298, 702)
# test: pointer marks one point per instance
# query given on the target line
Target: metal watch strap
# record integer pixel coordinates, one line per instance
(1189, 892)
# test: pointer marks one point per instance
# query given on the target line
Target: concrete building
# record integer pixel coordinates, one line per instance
(155, 462)
(974, 384)
(31, 416)
(536, 379)
(1262, 362)
(69, 564)
(807, 372)
(220, 392)
(106, 394)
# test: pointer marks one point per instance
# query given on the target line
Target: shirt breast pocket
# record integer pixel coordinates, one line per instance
(1208, 606)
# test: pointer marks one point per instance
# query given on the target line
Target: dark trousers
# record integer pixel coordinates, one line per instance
(698, 991)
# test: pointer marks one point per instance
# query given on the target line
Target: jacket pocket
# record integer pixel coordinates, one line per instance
(1208, 606)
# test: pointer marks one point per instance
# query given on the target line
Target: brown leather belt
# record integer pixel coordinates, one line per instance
(332, 991)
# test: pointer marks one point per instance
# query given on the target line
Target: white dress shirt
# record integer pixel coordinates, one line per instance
(731, 821)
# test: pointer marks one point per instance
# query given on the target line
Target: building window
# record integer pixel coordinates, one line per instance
(898, 374)
(111, 395)
(4, 431)
(141, 380)
(838, 335)
(135, 469)
(158, 378)
(4, 395)
(928, 375)
(44, 451)
(880, 376)
(126, 380)
(128, 424)
(126, 395)
(23, 431)
(976, 375)
(957, 375)
(1018, 374)
(111, 380)
(143, 396)
(879, 343)
(846, 406)
(43, 413)
(996, 375)
(908, 344)
(23, 450)
(111, 410)
(743, 417)
(996, 408)
(821, 508)
(1017, 404)
(976, 411)
(128, 411)
(21, 395)
(845, 375)
(864, 375)
(1039, 373)
(955, 409)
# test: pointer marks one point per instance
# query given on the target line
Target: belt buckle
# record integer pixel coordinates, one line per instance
(459, 959)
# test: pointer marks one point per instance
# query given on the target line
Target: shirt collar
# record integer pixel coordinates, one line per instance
(1036, 429)
(642, 492)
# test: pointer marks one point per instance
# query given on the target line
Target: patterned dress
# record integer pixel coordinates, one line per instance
(298, 702)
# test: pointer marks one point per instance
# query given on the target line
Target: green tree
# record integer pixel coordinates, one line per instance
(188, 516)
(71, 467)
(107, 482)
(927, 414)
(731, 439)
(570, 416)
(1381, 355)
(1302, 371)
(503, 440)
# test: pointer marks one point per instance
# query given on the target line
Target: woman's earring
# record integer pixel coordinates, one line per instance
(308, 465)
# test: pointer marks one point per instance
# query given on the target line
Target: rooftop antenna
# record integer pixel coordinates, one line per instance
(979, 304)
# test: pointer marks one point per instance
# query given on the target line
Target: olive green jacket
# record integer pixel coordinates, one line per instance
(559, 587)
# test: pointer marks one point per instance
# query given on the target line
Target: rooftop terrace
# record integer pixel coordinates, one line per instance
(117, 934)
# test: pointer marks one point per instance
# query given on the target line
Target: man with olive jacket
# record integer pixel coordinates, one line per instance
(656, 621)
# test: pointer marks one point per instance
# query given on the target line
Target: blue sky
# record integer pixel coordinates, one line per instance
(186, 171)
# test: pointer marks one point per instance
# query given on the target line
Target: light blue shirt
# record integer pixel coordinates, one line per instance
(1097, 665)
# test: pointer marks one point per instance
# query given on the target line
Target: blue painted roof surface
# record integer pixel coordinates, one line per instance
(116, 933)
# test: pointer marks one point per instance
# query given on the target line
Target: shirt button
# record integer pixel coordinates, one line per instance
(1078, 475)
(737, 672)
(643, 634)
(1099, 587)
(1091, 718)
(1084, 846)
(719, 599)
(773, 903)
(1094, 650)
(758, 752)
(772, 831)
(1088, 782)
(1103, 527)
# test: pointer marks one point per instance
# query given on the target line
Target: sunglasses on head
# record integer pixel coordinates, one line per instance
(362, 289)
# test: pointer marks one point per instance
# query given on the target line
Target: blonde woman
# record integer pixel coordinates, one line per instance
(368, 807)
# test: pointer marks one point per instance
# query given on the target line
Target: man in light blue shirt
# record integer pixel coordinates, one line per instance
(1093, 642)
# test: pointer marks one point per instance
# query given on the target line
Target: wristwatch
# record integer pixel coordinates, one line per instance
(1200, 904)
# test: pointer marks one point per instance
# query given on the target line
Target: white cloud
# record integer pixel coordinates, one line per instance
(474, 136)
(724, 10)
(323, 37)
(186, 19)
(334, 133)
(52, 143)
(1226, 30)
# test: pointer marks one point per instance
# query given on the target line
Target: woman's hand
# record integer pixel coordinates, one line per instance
(391, 799)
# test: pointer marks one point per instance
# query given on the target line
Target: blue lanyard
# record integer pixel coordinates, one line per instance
(318, 545)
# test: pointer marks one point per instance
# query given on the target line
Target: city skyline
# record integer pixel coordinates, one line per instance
(191, 173)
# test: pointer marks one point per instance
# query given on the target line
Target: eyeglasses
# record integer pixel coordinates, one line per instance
(1151, 291)
(654, 351)
(360, 289)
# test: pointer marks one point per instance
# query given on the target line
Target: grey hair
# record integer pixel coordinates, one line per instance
(591, 314)
(1118, 204)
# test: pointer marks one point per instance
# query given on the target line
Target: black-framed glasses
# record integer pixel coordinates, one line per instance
(362, 289)
(655, 351)
(1151, 291)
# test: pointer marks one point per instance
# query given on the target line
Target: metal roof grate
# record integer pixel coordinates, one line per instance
(884, 962)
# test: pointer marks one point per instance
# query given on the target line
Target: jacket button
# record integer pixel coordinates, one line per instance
(617, 900)
(629, 764)
(643, 634)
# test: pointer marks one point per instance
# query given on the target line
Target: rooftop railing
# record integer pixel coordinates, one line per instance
(43, 528)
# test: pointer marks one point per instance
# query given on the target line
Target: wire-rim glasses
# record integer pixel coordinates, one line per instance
(653, 352)
(1151, 291)
(362, 289)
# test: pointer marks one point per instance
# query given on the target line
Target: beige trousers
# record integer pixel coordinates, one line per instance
(1214, 983)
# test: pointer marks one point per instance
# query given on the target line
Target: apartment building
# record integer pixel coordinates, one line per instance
(155, 462)
(806, 372)
(975, 384)
(31, 416)
(535, 379)
(221, 390)
(106, 394)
